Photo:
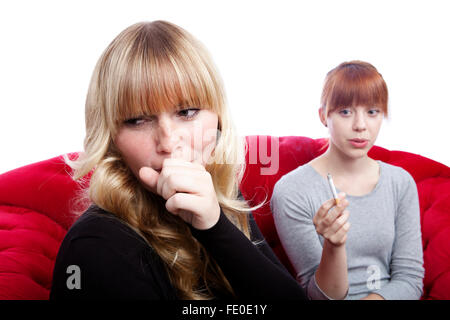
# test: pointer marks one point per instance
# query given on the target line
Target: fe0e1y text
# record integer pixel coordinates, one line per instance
(229, 309)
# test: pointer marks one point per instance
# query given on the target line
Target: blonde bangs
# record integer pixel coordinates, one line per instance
(156, 77)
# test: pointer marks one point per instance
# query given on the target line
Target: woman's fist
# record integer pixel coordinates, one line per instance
(188, 190)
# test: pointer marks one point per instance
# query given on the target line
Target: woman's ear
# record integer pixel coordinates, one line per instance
(322, 117)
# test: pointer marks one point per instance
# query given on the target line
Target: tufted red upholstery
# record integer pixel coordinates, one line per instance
(36, 202)
(35, 214)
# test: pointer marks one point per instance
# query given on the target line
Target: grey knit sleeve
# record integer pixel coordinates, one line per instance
(406, 263)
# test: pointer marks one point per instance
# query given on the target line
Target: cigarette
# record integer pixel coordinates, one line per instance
(333, 188)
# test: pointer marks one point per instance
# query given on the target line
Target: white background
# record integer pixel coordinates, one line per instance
(272, 55)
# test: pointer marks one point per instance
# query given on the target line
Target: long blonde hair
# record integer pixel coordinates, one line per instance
(150, 67)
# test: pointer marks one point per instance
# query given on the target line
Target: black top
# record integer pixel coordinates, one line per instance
(116, 263)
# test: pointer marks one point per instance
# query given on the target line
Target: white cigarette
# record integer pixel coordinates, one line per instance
(333, 188)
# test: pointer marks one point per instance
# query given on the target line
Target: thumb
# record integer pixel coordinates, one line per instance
(341, 195)
(149, 177)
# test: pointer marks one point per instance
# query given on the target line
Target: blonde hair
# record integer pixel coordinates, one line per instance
(150, 67)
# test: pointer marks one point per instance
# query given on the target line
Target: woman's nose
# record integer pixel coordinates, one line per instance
(167, 139)
(359, 122)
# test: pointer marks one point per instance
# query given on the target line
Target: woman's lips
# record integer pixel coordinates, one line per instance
(359, 143)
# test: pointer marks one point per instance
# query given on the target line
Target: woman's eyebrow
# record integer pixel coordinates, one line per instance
(182, 105)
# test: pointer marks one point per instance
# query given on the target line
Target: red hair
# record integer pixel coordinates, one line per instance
(354, 83)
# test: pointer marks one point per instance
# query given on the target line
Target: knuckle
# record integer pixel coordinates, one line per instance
(327, 234)
(323, 209)
(338, 224)
(326, 206)
(175, 200)
(171, 178)
(169, 205)
(328, 220)
(165, 194)
(164, 172)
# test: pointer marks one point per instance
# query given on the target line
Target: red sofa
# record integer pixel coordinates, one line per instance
(36, 202)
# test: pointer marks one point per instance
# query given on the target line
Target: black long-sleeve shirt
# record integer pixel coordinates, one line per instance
(114, 262)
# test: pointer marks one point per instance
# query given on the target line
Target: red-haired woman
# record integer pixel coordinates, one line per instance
(380, 255)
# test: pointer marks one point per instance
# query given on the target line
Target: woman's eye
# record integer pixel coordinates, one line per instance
(188, 113)
(137, 121)
(374, 112)
(344, 112)
(133, 121)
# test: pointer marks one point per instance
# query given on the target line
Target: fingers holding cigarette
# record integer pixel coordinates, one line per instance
(331, 220)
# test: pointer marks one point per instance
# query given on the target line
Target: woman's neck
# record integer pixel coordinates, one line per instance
(339, 164)
(354, 176)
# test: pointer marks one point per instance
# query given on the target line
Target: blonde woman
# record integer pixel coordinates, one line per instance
(366, 245)
(166, 221)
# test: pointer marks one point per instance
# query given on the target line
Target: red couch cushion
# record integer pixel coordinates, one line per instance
(35, 213)
(36, 209)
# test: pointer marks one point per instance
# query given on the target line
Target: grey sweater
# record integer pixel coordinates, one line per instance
(384, 243)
